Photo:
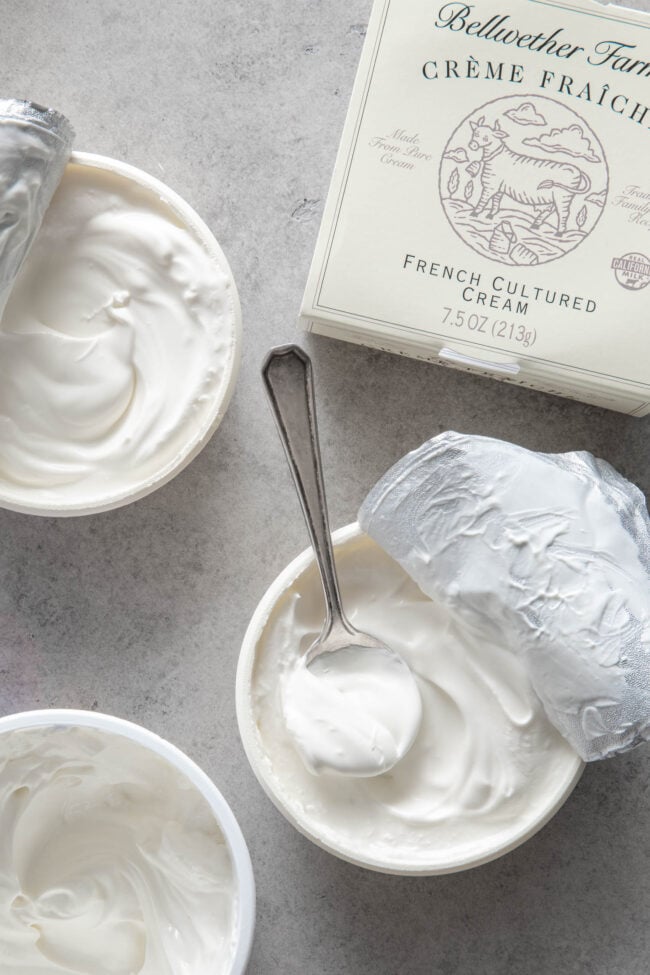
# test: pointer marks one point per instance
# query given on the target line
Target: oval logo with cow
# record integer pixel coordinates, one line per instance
(523, 180)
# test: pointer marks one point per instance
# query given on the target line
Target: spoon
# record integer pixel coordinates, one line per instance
(352, 704)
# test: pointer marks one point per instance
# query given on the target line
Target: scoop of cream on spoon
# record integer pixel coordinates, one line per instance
(351, 704)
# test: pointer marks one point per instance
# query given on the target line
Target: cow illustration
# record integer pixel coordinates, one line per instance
(544, 184)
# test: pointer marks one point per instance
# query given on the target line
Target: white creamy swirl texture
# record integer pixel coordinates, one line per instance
(111, 861)
(484, 762)
(354, 711)
(116, 342)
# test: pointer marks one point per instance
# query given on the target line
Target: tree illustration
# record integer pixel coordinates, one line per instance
(581, 219)
(469, 190)
(453, 183)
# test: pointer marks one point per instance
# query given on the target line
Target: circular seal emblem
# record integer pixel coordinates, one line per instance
(523, 180)
(632, 271)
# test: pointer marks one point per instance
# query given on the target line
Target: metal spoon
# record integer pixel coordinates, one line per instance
(288, 378)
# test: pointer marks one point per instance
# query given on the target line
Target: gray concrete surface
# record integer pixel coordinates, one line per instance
(140, 612)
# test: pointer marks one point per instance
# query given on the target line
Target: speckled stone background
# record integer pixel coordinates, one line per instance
(140, 612)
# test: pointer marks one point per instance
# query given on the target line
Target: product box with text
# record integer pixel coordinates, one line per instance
(490, 204)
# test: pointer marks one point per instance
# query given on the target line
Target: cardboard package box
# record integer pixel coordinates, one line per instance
(490, 204)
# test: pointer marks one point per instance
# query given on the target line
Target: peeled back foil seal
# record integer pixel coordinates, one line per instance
(546, 553)
(35, 144)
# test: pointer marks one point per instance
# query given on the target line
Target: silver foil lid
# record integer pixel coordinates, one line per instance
(35, 144)
(548, 554)
(48, 119)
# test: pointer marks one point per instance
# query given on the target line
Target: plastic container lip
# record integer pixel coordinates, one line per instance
(188, 217)
(243, 869)
(260, 764)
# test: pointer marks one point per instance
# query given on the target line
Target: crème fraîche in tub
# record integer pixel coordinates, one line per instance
(487, 768)
(112, 861)
(119, 344)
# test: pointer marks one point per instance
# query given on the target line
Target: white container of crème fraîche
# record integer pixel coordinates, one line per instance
(118, 853)
(119, 345)
(487, 769)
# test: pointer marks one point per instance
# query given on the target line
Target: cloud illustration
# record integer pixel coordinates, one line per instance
(459, 155)
(525, 114)
(572, 141)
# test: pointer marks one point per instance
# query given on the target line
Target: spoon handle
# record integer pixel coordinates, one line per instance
(289, 382)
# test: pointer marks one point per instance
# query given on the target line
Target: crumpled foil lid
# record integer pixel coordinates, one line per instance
(548, 553)
(35, 144)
